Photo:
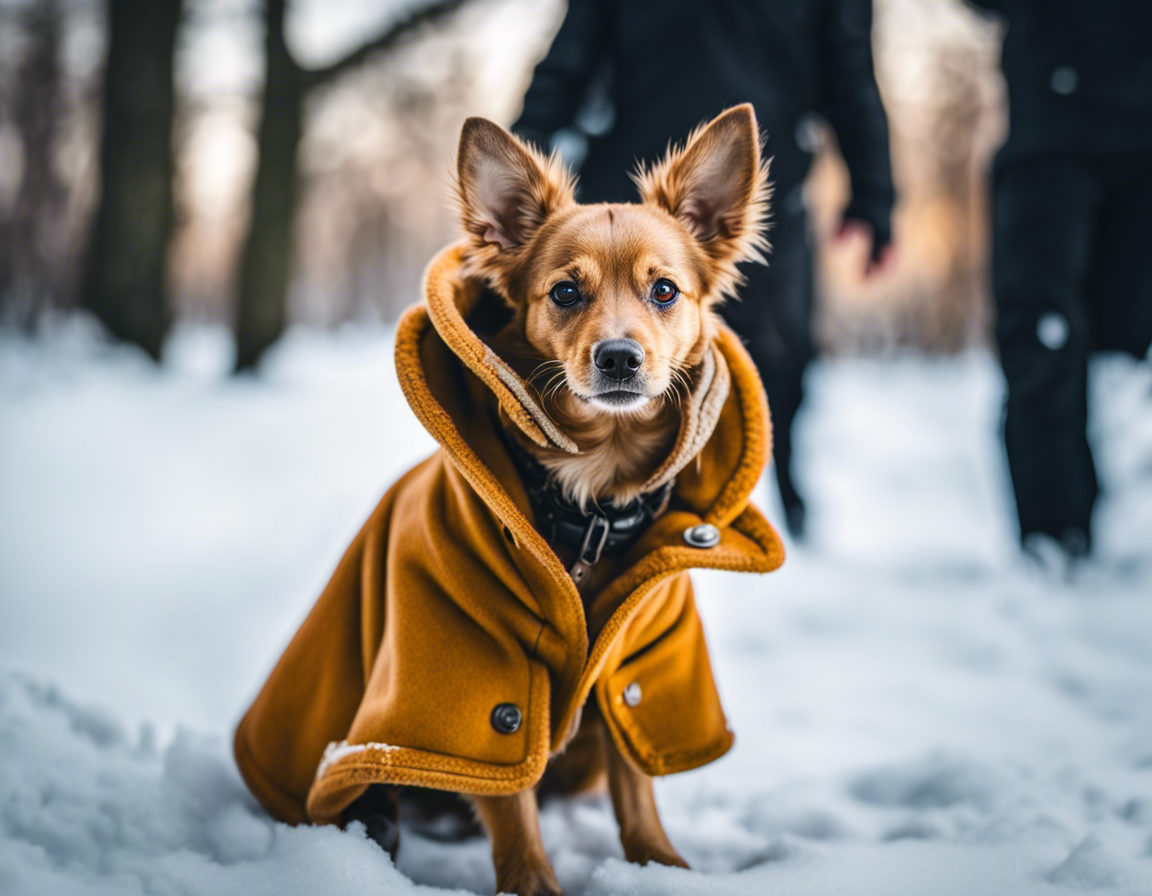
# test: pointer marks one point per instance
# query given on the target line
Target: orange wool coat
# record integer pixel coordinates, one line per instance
(449, 603)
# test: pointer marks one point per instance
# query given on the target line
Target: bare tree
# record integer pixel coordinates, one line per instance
(125, 276)
(265, 260)
(31, 272)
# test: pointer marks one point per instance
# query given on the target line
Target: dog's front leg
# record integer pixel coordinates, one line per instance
(513, 823)
(641, 833)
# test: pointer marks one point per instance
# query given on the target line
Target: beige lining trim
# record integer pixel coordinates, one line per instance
(701, 413)
(509, 378)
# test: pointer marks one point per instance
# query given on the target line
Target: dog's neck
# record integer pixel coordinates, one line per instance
(618, 451)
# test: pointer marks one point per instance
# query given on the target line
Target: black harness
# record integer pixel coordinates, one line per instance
(588, 530)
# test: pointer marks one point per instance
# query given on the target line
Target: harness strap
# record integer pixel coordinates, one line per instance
(589, 531)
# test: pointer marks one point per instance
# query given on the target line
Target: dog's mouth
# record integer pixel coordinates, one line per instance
(617, 399)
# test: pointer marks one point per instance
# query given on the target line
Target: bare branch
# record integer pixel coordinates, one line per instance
(395, 32)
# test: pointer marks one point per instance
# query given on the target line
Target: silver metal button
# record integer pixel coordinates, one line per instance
(1052, 331)
(704, 535)
(808, 134)
(1065, 80)
(632, 694)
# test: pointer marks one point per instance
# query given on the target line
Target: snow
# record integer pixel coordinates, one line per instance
(917, 710)
(337, 750)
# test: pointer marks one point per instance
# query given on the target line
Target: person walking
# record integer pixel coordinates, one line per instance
(664, 66)
(1071, 242)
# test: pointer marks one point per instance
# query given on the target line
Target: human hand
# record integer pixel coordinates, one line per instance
(880, 255)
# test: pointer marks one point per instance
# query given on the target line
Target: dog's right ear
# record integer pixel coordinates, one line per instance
(716, 185)
(505, 189)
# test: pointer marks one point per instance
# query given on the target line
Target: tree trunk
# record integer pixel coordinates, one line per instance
(265, 262)
(32, 269)
(125, 277)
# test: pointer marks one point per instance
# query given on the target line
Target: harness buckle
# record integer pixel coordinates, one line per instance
(595, 537)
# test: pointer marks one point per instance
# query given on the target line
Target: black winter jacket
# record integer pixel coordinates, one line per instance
(670, 65)
(1079, 75)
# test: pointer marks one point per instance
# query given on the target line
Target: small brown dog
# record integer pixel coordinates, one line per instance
(516, 616)
(614, 308)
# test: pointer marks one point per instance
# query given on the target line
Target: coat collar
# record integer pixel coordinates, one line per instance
(451, 299)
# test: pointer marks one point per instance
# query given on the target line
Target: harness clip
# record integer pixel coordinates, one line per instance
(594, 538)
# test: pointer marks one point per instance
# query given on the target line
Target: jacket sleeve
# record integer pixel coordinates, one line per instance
(986, 5)
(850, 100)
(561, 79)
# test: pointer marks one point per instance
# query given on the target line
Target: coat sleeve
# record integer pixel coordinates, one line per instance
(561, 79)
(850, 100)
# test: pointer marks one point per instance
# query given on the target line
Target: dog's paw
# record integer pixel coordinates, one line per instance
(377, 810)
(384, 831)
(643, 852)
(529, 882)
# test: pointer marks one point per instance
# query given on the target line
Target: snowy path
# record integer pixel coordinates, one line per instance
(916, 711)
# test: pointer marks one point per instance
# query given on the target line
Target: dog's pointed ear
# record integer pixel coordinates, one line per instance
(505, 190)
(716, 185)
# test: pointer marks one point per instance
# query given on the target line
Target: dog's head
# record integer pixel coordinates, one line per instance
(620, 297)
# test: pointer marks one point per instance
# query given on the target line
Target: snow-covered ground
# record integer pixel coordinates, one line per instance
(917, 712)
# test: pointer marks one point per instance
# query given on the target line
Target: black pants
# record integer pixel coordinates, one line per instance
(1072, 273)
(774, 318)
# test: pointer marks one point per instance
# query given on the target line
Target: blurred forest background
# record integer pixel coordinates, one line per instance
(263, 162)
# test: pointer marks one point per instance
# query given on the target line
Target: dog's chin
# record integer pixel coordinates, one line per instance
(617, 401)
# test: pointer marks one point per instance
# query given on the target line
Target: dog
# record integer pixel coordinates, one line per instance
(631, 428)
(614, 304)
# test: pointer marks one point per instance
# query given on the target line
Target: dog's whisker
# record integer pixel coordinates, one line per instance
(679, 378)
(543, 367)
(543, 392)
(555, 384)
(553, 379)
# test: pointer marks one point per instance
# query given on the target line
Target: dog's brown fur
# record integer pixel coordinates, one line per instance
(702, 212)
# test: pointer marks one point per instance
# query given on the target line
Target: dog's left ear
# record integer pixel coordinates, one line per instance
(716, 185)
(505, 189)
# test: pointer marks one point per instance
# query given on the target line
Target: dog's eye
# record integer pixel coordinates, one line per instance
(664, 292)
(565, 293)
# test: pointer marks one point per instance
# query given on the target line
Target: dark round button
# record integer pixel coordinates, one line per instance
(506, 718)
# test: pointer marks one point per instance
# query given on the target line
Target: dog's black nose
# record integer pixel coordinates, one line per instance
(618, 359)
